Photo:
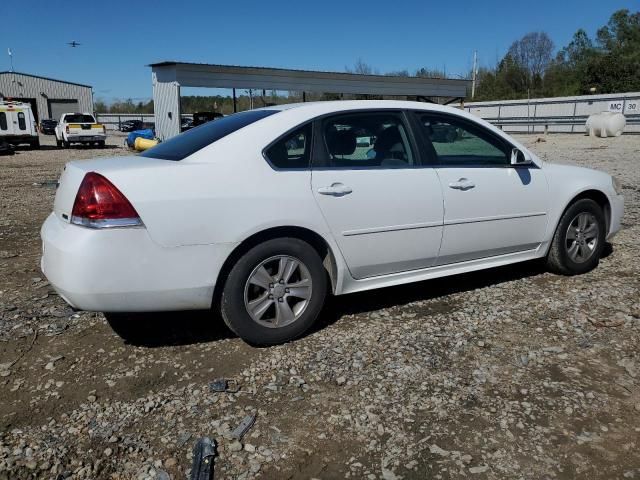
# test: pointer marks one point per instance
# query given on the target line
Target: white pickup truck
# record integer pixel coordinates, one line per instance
(79, 128)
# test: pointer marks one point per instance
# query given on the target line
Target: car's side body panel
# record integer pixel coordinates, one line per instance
(391, 222)
(505, 212)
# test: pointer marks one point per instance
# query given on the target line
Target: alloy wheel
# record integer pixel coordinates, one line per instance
(582, 237)
(278, 291)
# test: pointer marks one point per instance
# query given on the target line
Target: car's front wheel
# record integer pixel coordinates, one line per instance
(274, 292)
(579, 239)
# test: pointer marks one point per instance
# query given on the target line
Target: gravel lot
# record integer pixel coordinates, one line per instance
(506, 373)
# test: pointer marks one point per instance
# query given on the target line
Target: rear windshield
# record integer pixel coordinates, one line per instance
(79, 118)
(183, 145)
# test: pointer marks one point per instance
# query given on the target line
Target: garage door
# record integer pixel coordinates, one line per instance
(58, 107)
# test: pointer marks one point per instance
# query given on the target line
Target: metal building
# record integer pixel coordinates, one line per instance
(49, 98)
(168, 77)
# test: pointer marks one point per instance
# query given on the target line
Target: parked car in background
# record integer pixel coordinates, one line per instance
(48, 126)
(131, 125)
(262, 213)
(203, 117)
(17, 125)
(80, 128)
(186, 124)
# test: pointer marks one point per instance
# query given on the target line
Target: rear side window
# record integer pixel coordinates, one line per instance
(291, 151)
(372, 139)
(22, 124)
(189, 142)
(79, 118)
(3, 121)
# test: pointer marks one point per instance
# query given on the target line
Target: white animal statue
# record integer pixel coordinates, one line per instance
(605, 124)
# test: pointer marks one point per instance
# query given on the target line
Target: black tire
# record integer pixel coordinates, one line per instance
(232, 302)
(58, 142)
(101, 144)
(558, 259)
(35, 144)
(66, 144)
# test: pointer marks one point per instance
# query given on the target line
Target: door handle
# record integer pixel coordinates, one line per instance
(462, 184)
(336, 190)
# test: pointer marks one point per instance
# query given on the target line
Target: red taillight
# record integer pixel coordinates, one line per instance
(100, 204)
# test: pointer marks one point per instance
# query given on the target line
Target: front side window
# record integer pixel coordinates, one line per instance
(189, 142)
(3, 121)
(372, 139)
(291, 151)
(22, 124)
(460, 143)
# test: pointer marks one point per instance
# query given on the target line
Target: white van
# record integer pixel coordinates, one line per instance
(17, 125)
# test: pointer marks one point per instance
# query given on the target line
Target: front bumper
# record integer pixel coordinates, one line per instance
(124, 270)
(617, 211)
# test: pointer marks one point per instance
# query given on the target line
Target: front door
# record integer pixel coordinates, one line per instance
(383, 208)
(491, 207)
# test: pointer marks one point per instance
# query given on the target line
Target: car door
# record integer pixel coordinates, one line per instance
(383, 207)
(491, 207)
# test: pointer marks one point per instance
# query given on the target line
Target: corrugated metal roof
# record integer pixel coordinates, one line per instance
(171, 63)
(46, 78)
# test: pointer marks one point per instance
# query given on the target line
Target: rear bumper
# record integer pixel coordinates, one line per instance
(617, 211)
(124, 270)
(89, 137)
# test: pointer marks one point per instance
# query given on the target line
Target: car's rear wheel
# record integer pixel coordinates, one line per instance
(274, 292)
(579, 239)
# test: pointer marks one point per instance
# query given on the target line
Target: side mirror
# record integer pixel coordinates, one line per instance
(518, 157)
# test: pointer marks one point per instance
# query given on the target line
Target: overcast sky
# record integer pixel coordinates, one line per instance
(120, 38)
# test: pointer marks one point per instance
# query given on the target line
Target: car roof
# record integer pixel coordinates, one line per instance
(342, 105)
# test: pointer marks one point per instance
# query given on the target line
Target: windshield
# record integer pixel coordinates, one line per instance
(79, 118)
(183, 145)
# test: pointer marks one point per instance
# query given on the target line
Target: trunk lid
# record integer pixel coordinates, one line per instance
(75, 171)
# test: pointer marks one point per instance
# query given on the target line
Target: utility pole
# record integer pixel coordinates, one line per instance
(474, 74)
(10, 58)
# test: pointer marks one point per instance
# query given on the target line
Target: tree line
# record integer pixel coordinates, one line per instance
(607, 63)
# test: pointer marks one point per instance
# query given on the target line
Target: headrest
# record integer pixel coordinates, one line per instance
(341, 142)
(387, 139)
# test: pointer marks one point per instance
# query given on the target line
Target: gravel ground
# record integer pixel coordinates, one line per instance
(506, 373)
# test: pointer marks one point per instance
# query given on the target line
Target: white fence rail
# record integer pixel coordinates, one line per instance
(560, 114)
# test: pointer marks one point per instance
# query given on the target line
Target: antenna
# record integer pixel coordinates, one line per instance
(474, 73)
(10, 58)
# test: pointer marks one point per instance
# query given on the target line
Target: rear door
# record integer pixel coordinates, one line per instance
(491, 207)
(383, 207)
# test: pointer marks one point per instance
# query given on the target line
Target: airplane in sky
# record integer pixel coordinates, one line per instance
(74, 44)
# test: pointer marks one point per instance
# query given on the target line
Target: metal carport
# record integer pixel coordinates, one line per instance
(168, 77)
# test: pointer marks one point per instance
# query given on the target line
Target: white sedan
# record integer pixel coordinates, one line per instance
(262, 213)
